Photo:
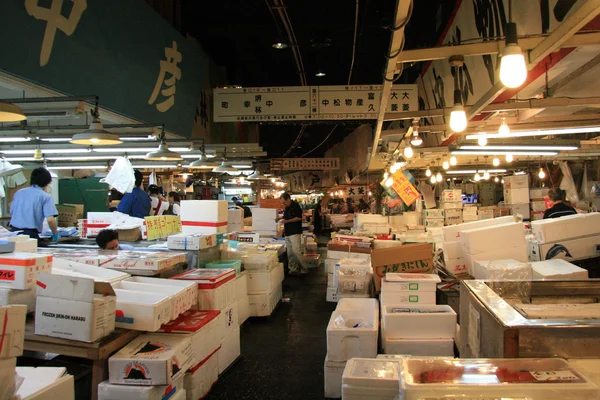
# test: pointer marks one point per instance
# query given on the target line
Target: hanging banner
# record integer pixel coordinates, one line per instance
(162, 226)
(402, 186)
(304, 164)
(301, 103)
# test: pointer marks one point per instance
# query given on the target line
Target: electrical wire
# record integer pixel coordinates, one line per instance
(320, 144)
(294, 43)
(296, 141)
(354, 42)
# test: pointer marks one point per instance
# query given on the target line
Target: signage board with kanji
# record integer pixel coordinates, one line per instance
(402, 186)
(162, 226)
(304, 164)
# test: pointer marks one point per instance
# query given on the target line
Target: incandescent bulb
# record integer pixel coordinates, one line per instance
(445, 165)
(509, 157)
(513, 69)
(504, 129)
(482, 140)
(370, 193)
(438, 177)
(477, 177)
(458, 118)
(393, 169)
(389, 182)
(486, 175)
(385, 175)
(408, 152)
(496, 161)
(453, 160)
(542, 174)
(416, 139)
(496, 179)
(433, 180)
(428, 172)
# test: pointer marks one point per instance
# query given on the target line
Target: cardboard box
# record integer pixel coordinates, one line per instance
(14, 296)
(12, 333)
(7, 377)
(453, 212)
(557, 270)
(108, 391)
(570, 249)
(434, 223)
(520, 209)
(516, 196)
(45, 383)
(491, 238)
(79, 208)
(67, 215)
(485, 214)
(235, 216)
(339, 251)
(433, 213)
(153, 359)
(451, 205)
(194, 241)
(517, 182)
(24, 246)
(538, 194)
(452, 195)
(559, 229)
(416, 257)
(470, 210)
(452, 233)
(129, 235)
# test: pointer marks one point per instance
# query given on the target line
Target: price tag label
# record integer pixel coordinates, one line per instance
(550, 376)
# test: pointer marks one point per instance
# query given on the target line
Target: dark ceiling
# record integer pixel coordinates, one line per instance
(239, 34)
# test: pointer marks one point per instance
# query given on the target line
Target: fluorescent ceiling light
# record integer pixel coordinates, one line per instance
(83, 158)
(14, 139)
(138, 138)
(241, 164)
(21, 159)
(155, 166)
(501, 153)
(55, 139)
(534, 148)
(546, 132)
(472, 171)
(47, 151)
(78, 167)
(136, 149)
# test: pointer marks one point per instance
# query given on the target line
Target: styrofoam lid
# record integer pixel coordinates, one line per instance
(403, 277)
(208, 275)
(376, 373)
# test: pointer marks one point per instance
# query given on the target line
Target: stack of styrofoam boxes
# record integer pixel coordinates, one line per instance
(502, 270)
(18, 274)
(434, 218)
(506, 241)
(538, 203)
(516, 195)
(265, 288)
(216, 291)
(557, 269)
(204, 216)
(12, 338)
(470, 213)
(374, 379)
(333, 257)
(351, 332)
(453, 205)
(570, 237)
(236, 220)
(96, 221)
(242, 299)
(264, 221)
(353, 278)
(374, 223)
(23, 243)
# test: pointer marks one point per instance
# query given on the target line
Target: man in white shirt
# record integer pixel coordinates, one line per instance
(158, 204)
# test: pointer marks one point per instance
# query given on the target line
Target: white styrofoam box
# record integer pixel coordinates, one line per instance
(26, 246)
(243, 309)
(262, 305)
(109, 391)
(62, 266)
(235, 216)
(193, 241)
(452, 249)
(265, 282)
(538, 205)
(417, 322)
(453, 233)
(177, 294)
(572, 226)
(405, 282)
(539, 193)
(433, 213)
(516, 196)
(516, 182)
(511, 253)
(241, 285)
(377, 228)
(189, 288)
(203, 328)
(14, 296)
(456, 266)
(402, 298)
(361, 219)
(264, 213)
(520, 209)
(13, 327)
(332, 295)
(425, 347)
(230, 349)
(200, 379)
(216, 228)
(259, 261)
(485, 214)
(330, 265)
(371, 379)
(450, 195)
(18, 270)
(434, 222)
(502, 270)
(454, 212)
(330, 280)
(352, 278)
(358, 304)
(571, 249)
(590, 368)
(234, 227)
(492, 238)
(557, 269)
(338, 255)
(345, 341)
(412, 218)
(142, 311)
(204, 210)
(216, 287)
(451, 205)
(469, 210)
(100, 217)
(154, 359)
(332, 374)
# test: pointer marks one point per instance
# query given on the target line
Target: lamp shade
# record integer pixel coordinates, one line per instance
(96, 135)
(203, 163)
(224, 168)
(11, 113)
(256, 175)
(163, 154)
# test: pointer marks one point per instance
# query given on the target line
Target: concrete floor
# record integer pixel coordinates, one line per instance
(283, 355)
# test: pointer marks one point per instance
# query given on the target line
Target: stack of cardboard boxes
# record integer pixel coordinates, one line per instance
(539, 203)
(516, 195)
(470, 213)
(487, 194)
(452, 205)
(12, 339)
(235, 220)
(18, 274)
(434, 218)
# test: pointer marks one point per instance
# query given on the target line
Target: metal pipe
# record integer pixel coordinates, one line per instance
(54, 99)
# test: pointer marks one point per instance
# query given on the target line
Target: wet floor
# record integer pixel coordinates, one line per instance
(283, 355)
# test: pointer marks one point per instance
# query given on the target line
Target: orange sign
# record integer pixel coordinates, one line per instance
(402, 186)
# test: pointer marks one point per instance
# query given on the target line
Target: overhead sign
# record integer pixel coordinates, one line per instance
(300, 103)
(137, 64)
(304, 164)
(402, 186)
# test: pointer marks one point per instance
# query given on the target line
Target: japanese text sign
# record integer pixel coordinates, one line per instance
(402, 186)
(162, 226)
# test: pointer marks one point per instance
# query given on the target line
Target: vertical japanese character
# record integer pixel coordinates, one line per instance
(269, 103)
(336, 102)
(246, 104)
(302, 103)
(394, 107)
(371, 96)
(394, 96)
(405, 107)
(224, 104)
(258, 98)
(325, 102)
(258, 109)
(359, 102)
(371, 107)
(348, 102)
(173, 57)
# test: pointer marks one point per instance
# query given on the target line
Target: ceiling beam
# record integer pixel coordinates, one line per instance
(534, 123)
(574, 75)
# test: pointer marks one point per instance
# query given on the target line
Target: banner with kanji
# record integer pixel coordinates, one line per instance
(402, 186)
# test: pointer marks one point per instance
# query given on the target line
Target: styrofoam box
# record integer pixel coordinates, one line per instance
(579, 248)
(176, 294)
(434, 222)
(557, 269)
(142, 311)
(259, 261)
(456, 266)
(205, 230)
(241, 285)
(538, 206)
(466, 380)
(25, 246)
(516, 196)
(502, 270)
(330, 280)
(108, 391)
(345, 342)
(402, 282)
(371, 379)
(420, 347)
(330, 265)
(491, 238)
(204, 210)
(353, 279)
(18, 270)
(195, 241)
(332, 374)
(200, 379)
(13, 296)
(433, 214)
(452, 249)
(568, 227)
(361, 219)
(349, 304)
(235, 216)
(61, 266)
(449, 195)
(516, 182)
(216, 287)
(513, 253)
(407, 298)
(416, 322)
(450, 205)
(332, 295)
(243, 309)
(190, 288)
(453, 233)
(265, 282)
(262, 305)
(230, 349)
(338, 255)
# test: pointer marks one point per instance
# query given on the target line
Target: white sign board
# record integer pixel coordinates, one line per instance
(309, 102)
(304, 164)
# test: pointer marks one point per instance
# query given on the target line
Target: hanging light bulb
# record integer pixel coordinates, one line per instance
(428, 172)
(502, 181)
(438, 177)
(416, 138)
(445, 165)
(370, 193)
(458, 116)
(496, 179)
(389, 182)
(433, 180)
(486, 175)
(453, 160)
(477, 177)
(509, 157)
(541, 174)
(513, 70)
(385, 175)
(482, 140)
(393, 169)
(504, 129)
(496, 161)
(408, 152)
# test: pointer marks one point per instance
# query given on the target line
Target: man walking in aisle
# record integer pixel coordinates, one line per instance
(292, 220)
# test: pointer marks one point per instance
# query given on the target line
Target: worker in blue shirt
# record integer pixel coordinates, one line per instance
(30, 206)
(137, 203)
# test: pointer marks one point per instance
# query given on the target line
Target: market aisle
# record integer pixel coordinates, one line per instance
(283, 355)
